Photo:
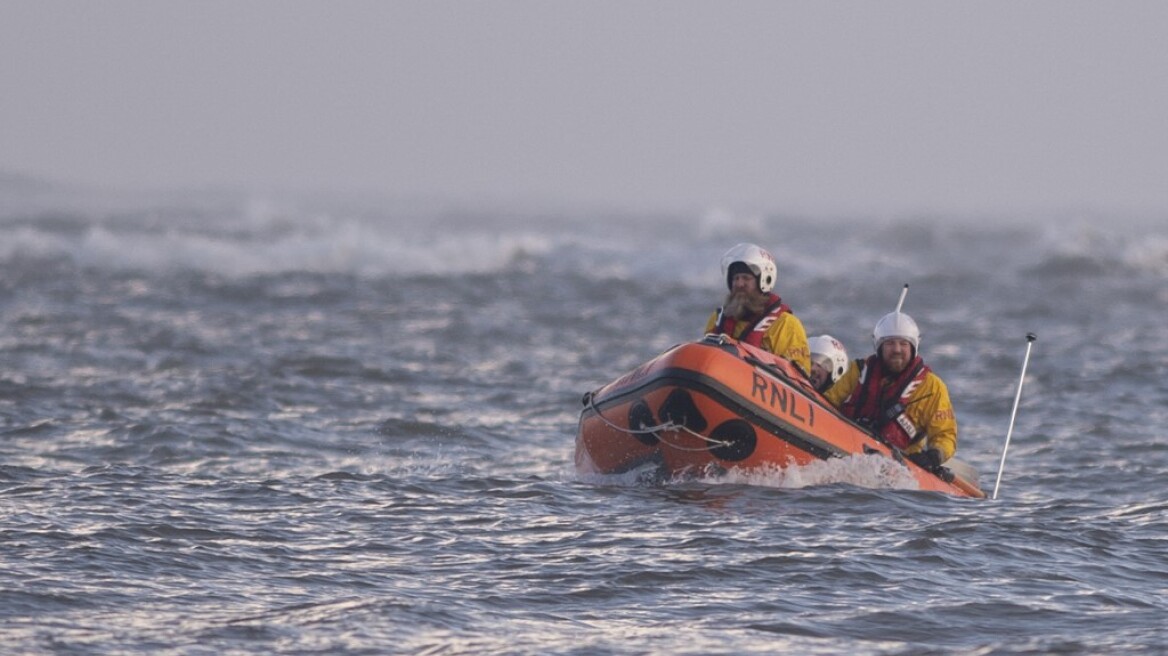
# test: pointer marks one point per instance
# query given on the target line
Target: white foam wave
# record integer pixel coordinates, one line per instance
(1106, 245)
(1148, 254)
(264, 235)
(323, 246)
(869, 471)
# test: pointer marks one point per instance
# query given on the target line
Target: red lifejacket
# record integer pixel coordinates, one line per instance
(879, 400)
(755, 330)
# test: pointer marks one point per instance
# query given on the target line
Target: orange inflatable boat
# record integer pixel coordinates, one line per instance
(705, 407)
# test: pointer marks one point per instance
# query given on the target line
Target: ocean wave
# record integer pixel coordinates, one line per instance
(248, 236)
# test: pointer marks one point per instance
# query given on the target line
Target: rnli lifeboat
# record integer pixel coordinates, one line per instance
(705, 407)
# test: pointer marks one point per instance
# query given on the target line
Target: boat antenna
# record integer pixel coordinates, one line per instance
(1030, 337)
(903, 293)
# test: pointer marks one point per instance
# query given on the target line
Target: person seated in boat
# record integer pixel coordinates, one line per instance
(754, 314)
(829, 362)
(895, 395)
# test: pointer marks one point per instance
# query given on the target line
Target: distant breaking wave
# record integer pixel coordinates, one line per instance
(239, 235)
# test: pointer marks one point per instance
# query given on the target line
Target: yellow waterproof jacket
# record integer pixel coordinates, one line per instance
(928, 408)
(785, 338)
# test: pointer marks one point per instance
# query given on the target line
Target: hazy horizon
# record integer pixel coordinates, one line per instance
(896, 107)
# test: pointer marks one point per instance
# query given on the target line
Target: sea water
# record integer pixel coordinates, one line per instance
(245, 424)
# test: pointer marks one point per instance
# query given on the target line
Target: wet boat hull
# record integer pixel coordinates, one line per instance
(705, 407)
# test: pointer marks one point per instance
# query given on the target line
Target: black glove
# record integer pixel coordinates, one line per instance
(930, 459)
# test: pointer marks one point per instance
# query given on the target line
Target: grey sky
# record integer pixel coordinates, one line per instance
(801, 106)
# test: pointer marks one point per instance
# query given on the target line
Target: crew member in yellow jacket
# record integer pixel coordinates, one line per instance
(894, 394)
(752, 313)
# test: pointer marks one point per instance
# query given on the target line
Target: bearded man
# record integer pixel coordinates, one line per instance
(895, 395)
(752, 313)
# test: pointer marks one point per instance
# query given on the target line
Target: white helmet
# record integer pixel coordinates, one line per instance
(830, 354)
(760, 263)
(896, 324)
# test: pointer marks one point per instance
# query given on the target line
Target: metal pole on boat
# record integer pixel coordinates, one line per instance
(1030, 337)
(903, 293)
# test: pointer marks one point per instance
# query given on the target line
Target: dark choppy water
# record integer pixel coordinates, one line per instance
(235, 426)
